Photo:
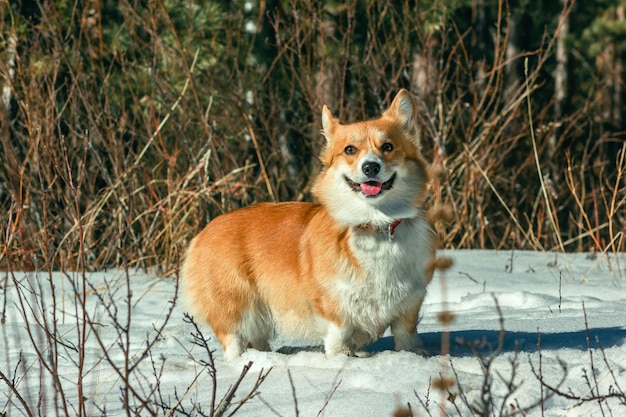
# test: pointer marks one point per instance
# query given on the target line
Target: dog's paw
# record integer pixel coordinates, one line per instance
(421, 350)
(344, 350)
(411, 343)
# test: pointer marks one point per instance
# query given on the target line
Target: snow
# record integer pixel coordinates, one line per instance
(557, 311)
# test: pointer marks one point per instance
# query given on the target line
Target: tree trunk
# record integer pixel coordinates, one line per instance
(617, 73)
(560, 84)
(17, 212)
(329, 76)
(480, 35)
(513, 67)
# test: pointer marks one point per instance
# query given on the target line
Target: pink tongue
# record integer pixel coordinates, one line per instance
(371, 187)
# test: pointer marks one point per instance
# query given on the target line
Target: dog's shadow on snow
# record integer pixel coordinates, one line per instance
(486, 341)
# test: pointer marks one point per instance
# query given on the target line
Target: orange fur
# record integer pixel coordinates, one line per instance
(332, 270)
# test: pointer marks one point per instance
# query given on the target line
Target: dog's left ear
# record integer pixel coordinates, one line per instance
(328, 123)
(404, 110)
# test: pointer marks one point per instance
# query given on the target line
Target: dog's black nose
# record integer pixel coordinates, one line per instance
(371, 169)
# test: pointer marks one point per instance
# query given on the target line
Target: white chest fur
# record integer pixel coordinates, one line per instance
(392, 276)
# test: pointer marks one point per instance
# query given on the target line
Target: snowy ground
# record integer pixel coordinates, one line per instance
(542, 298)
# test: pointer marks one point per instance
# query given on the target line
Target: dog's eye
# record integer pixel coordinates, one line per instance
(387, 147)
(349, 150)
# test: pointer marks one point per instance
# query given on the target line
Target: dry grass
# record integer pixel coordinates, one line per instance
(121, 142)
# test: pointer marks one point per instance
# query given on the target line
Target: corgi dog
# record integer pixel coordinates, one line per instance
(339, 271)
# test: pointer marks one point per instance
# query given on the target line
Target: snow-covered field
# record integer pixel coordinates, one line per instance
(120, 343)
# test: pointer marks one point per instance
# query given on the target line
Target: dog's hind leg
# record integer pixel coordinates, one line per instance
(227, 306)
(233, 346)
(262, 345)
(245, 336)
(256, 326)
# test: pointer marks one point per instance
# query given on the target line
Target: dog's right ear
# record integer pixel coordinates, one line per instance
(404, 110)
(328, 123)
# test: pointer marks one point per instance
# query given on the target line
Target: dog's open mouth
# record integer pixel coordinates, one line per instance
(371, 188)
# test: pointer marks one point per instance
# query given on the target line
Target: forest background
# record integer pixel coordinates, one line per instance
(125, 126)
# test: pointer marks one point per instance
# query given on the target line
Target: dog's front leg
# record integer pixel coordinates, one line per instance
(337, 339)
(404, 330)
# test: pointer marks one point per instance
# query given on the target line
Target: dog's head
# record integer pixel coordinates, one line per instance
(373, 171)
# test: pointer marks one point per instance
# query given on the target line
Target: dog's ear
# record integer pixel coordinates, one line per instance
(404, 110)
(328, 123)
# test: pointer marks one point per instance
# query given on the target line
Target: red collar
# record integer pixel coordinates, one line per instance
(391, 228)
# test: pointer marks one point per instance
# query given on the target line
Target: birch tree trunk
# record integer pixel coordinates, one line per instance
(560, 83)
(329, 75)
(512, 69)
(480, 34)
(10, 160)
(617, 74)
(609, 67)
